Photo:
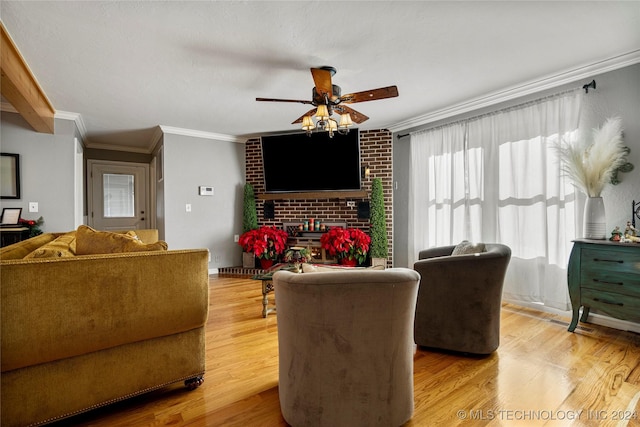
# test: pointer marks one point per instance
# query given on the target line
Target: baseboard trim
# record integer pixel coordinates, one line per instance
(593, 319)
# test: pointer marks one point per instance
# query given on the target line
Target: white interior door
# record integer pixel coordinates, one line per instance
(118, 197)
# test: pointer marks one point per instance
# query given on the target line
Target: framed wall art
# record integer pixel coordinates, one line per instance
(9, 176)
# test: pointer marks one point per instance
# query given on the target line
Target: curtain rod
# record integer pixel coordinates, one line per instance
(591, 84)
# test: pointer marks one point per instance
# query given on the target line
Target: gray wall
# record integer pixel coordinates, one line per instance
(617, 94)
(47, 177)
(190, 162)
(47, 170)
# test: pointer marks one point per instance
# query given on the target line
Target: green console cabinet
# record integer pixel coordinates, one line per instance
(605, 276)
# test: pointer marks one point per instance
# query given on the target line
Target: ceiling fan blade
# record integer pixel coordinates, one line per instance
(299, 101)
(356, 116)
(308, 113)
(322, 79)
(370, 95)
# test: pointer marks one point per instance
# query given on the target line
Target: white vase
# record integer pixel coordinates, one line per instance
(594, 223)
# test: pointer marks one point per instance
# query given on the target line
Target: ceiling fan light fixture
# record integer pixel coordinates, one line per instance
(322, 113)
(345, 121)
(307, 124)
(331, 127)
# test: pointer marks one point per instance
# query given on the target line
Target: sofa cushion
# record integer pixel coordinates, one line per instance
(63, 246)
(91, 242)
(315, 268)
(465, 248)
(21, 249)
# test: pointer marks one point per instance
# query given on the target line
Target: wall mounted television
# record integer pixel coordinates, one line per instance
(300, 163)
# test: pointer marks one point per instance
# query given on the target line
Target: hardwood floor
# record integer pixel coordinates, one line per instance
(541, 375)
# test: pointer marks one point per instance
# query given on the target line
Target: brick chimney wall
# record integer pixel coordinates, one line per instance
(375, 153)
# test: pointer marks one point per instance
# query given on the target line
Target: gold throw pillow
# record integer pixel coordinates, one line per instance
(90, 242)
(63, 246)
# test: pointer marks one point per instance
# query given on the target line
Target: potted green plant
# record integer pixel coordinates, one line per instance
(379, 241)
(249, 222)
(349, 245)
(267, 243)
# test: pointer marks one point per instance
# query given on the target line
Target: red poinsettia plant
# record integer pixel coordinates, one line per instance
(346, 243)
(265, 242)
(33, 225)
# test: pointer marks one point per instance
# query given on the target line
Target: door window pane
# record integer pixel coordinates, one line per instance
(119, 197)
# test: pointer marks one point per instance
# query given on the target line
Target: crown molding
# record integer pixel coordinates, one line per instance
(74, 117)
(115, 147)
(201, 134)
(539, 85)
(160, 130)
(82, 129)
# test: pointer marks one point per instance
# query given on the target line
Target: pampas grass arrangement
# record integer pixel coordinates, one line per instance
(593, 166)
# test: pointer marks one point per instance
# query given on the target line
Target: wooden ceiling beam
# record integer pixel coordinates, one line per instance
(20, 87)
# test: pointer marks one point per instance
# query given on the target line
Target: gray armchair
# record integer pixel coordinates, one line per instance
(346, 346)
(459, 299)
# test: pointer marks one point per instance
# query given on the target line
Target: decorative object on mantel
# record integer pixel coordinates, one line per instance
(592, 167)
(379, 241)
(249, 222)
(33, 225)
(349, 245)
(266, 243)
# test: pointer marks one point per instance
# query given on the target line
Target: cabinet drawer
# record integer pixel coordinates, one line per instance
(613, 304)
(619, 260)
(611, 281)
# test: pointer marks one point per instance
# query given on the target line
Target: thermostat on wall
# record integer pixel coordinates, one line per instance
(206, 191)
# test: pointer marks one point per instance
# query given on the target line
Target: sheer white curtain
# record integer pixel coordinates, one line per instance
(496, 178)
(437, 188)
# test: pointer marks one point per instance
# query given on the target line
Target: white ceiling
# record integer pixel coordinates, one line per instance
(128, 66)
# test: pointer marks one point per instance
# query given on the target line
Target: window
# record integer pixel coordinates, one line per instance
(496, 178)
(119, 200)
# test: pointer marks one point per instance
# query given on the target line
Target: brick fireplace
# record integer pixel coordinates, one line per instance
(375, 154)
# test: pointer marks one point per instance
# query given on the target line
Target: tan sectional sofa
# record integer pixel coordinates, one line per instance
(82, 331)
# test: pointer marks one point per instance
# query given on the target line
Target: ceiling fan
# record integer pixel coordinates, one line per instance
(328, 99)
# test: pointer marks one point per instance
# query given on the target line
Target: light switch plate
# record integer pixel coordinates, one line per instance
(33, 206)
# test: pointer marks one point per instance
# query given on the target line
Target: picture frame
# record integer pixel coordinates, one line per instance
(11, 215)
(9, 176)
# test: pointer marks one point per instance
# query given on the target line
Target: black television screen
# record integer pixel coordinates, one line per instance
(301, 163)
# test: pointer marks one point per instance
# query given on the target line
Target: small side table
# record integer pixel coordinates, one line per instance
(11, 235)
(267, 285)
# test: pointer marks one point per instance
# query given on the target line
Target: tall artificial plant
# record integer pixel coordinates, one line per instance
(593, 166)
(379, 242)
(249, 215)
